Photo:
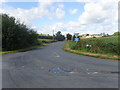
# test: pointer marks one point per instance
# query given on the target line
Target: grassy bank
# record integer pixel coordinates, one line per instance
(104, 47)
(46, 40)
(42, 42)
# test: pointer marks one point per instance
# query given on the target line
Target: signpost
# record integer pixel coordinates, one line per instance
(76, 39)
(76, 35)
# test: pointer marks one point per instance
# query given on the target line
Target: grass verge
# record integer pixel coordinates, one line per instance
(44, 43)
(67, 48)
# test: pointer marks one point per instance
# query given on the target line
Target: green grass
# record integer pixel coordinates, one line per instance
(42, 42)
(44, 35)
(46, 40)
(104, 47)
(20, 50)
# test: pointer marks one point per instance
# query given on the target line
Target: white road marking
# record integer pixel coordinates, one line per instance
(71, 72)
(92, 72)
(23, 66)
(56, 55)
(88, 73)
(95, 72)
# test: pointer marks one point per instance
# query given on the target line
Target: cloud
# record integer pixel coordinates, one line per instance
(45, 3)
(73, 11)
(2, 2)
(33, 27)
(100, 16)
(60, 13)
(48, 29)
(72, 24)
(98, 12)
(70, 27)
(93, 14)
(84, 0)
(27, 15)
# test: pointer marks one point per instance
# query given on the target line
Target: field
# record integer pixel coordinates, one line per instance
(102, 45)
(46, 40)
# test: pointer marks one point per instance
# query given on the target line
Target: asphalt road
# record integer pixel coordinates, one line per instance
(51, 67)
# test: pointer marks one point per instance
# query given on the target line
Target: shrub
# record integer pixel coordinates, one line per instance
(16, 35)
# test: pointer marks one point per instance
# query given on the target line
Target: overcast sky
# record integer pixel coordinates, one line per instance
(82, 16)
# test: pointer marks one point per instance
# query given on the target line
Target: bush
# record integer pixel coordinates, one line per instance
(59, 36)
(45, 36)
(16, 35)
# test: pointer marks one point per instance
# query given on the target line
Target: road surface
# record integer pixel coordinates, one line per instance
(51, 67)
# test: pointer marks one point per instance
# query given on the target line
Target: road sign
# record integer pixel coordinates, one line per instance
(76, 34)
(76, 39)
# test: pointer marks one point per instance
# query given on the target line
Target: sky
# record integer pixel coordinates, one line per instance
(78, 16)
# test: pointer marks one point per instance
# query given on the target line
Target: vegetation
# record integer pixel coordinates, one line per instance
(74, 37)
(43, 36)
(42, 42)
(99, 45)
(69, 36)
(46, 41)
(59, 36)
(116, 33)
(103, 46)
(16, 35)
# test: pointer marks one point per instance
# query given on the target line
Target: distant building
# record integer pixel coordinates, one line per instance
(91, 35)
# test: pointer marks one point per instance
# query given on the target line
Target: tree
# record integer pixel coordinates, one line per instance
(69, 36)
(16, 35)
(116, 33)
(59, 36)
(43, 36)
(74, 37)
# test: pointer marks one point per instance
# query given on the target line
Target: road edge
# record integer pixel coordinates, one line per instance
(101, 56)
(26, 49)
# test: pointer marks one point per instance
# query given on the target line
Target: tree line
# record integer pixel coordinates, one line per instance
(72, 37)
(16, 35)
(58, 36)
(45, 37)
